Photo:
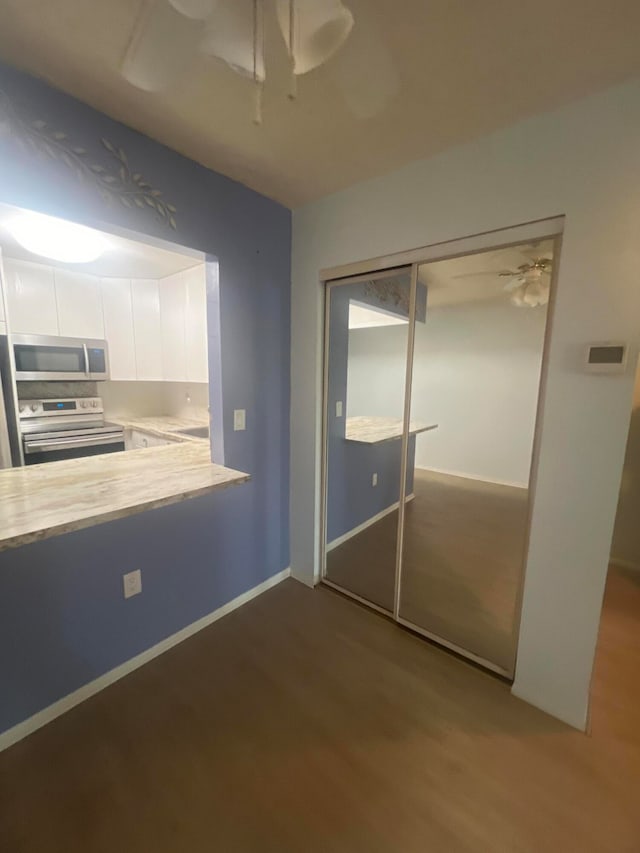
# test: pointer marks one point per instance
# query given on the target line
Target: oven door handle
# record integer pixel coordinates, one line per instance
(86, 359)
(71, 443)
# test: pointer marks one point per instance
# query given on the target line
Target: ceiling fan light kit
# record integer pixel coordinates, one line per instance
(230, 35)
(168, 33)
(320, 28)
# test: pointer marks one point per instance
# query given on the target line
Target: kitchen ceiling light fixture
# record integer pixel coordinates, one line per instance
(56, 239)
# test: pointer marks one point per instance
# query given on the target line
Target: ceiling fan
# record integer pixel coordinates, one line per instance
(528, 284)
(169, 34)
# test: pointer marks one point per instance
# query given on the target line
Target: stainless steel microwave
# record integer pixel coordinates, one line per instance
(53, 358)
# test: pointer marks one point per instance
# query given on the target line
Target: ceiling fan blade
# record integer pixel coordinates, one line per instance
(229, 36)
(514, 284)
(162, 46)
(364, 71)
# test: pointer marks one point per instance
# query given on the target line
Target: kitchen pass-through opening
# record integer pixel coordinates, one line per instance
(98, 326)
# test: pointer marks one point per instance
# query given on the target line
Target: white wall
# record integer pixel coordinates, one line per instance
(475, 373)
(582, 161)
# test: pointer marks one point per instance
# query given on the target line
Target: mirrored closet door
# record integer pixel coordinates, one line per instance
(365, 369)
(445, 555)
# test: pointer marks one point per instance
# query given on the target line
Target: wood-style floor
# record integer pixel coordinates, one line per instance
(303, 723)
(463, 554)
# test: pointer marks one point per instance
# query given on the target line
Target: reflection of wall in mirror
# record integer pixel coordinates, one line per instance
(476, 374)
(351, 498)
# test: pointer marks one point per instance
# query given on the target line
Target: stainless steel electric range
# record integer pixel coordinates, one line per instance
(66, 428)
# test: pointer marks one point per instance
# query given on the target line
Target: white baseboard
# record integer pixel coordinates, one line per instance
(32, 724)
(624, 564)
(465, 476)
(374, 518)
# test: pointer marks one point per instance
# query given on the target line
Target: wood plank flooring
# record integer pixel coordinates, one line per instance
(463, 555)
(303, 723)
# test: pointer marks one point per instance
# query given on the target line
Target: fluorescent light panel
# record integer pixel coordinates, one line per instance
(56, 239)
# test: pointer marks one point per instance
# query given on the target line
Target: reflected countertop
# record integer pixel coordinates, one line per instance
(374, 430)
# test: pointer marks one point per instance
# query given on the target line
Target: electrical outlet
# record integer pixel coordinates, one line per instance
(374, 479)
(338, 408)
(132, 583)
(239, 419)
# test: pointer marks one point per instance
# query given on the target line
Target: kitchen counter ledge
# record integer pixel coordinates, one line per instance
(45, 500)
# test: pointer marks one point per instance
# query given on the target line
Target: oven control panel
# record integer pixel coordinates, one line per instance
(61, 406)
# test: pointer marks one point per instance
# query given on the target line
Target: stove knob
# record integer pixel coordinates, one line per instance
(94, 403)
(84, 404)
(22, 408)
(34, 407)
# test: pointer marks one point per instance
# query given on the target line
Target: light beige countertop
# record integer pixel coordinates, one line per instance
(374, 430)
(39, 501)
(163, 426)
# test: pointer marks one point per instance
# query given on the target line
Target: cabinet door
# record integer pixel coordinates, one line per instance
(196, 325)
(141, 439)
(118, 326)
(173, 298)
(145, 299)
(79, 305)
(31, 298)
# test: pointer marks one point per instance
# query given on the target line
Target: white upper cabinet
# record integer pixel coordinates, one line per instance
(79, 305)
(156, 329)
(173, 317)
(145, 299)
(196, 324)
(118, 327)
(31, 298)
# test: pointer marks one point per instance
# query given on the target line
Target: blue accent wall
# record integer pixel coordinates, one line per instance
(63, 618)
(351, 498)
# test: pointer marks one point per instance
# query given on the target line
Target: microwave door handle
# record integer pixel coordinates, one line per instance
(86, 359)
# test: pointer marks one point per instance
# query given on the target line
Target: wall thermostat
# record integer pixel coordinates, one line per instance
(606, 357)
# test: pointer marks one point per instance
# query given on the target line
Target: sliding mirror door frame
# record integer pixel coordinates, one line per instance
(546, 229)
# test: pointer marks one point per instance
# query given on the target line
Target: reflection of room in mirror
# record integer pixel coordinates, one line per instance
(477, 359)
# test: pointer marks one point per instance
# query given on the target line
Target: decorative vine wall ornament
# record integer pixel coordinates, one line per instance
(116, 184)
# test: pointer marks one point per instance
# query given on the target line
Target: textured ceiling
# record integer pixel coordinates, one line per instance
(463, 68)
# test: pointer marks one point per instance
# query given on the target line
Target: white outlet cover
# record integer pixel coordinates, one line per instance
(239, 419)
(132, 583)
(339, 408)
(374, 480)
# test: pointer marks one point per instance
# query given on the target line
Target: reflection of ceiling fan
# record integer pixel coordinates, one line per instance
(528, 284)
(169, 34)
